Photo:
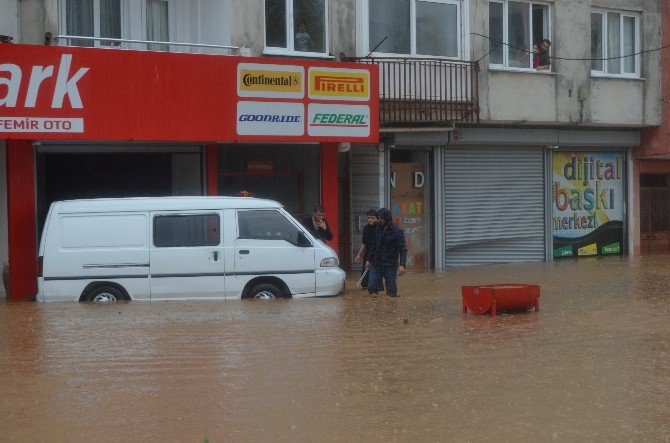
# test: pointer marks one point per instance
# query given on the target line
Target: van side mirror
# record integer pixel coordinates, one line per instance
(303, 241)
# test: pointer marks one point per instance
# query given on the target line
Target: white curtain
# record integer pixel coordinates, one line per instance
(436, 29)
(613, 43)
(157, 24)
(110, 20)
(518, 34)
(596, 41)
(390, 19)
(79, 20)
(629, 44)
(496, 32)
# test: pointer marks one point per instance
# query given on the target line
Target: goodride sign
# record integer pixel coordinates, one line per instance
(70, 93)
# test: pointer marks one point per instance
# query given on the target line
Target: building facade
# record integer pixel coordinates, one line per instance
(179, 111)
(546, 168)
(482, 157)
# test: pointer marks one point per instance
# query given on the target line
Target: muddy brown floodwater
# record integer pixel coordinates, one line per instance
(592, 365)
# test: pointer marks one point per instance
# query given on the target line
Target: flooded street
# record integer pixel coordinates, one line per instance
(592, 365)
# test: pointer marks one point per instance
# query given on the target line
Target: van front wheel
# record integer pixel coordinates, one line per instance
(104, 294)
(265, 291)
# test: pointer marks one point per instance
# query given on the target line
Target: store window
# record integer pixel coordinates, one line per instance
(614, 44)
(514, 28)
(413, 27)
(92, 18)
(411, 204)
(296, 26)
(289, 174)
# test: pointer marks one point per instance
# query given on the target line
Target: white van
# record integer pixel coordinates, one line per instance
(181, 247)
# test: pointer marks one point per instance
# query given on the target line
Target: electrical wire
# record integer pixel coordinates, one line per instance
(563, 58)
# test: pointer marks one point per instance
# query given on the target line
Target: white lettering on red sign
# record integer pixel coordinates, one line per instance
(66, 85)
(34, 124)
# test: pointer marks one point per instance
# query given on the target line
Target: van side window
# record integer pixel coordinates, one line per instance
(186, 230)
(266, 225)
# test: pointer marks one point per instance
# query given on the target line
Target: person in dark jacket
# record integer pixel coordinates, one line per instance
(388, 258)
(317, 224)
(367, 243)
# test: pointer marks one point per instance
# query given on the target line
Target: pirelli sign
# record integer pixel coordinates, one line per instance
(339, 84)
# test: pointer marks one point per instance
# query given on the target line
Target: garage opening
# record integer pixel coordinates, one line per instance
(73, 175)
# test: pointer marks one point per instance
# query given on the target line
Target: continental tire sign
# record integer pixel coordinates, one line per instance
(270, 81)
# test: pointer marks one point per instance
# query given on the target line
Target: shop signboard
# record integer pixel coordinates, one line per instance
(587, 203)
(72, 93)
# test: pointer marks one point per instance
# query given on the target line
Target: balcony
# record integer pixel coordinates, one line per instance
(421, 92)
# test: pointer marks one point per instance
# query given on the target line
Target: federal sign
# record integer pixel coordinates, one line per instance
(336, 120)
(339, 84)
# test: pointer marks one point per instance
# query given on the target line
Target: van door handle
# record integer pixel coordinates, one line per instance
(244, 251)
(216, 255)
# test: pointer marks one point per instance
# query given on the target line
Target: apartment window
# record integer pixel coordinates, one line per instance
(414, 27)
(92, 18)
(514, 28)
(613, 43)
(296, 26)
(157, 24)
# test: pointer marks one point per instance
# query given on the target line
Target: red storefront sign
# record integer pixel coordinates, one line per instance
(69, 93)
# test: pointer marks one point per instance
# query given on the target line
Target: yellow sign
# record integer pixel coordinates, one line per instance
(332, 83)
(265, 80)
(591, 249)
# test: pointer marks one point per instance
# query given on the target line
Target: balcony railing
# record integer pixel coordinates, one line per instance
(425, 92)
(123, 43)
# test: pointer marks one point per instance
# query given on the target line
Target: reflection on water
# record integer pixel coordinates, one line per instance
(593, 364)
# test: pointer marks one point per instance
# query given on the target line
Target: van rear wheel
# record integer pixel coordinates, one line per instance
(104, 294)
(265, 291)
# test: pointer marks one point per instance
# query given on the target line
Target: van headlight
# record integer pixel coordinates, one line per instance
(329, 262)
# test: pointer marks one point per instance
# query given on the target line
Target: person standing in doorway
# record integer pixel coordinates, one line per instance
(388, 257)
(317, 224)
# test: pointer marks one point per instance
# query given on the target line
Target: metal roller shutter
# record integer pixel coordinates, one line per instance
(367, 166)
(494, 205)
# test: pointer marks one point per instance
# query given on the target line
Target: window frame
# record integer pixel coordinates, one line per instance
(604, 44)
(290, 35)
(124, 10)
(505, 64)
(365, 25)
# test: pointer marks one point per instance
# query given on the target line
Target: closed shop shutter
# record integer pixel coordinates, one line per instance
(494, 205)
(366, 163)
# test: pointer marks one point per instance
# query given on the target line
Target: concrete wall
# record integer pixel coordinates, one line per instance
(35, 18)
(504, 95)
(521, 97)
(248, 25)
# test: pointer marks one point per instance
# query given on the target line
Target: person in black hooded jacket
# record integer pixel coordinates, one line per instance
(388, 257)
